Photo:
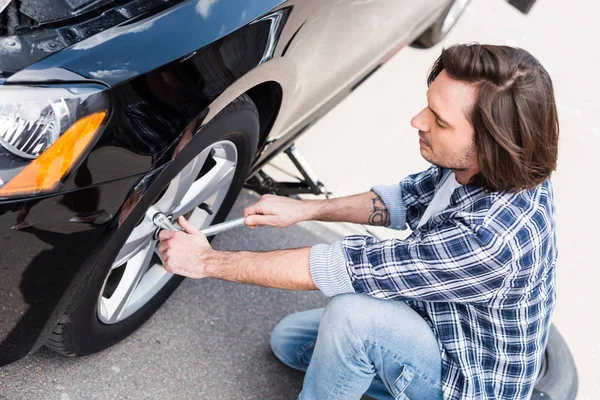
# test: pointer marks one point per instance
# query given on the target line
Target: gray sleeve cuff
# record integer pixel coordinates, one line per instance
(328, 269)
(392, 198)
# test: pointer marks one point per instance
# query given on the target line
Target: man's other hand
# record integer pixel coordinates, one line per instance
(184, 253)
(277, 211)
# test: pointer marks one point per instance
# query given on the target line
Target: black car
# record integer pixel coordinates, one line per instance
(112, 111)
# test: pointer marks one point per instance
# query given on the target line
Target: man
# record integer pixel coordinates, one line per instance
(461, 308)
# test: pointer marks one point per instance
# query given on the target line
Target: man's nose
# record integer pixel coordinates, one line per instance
(419, 122)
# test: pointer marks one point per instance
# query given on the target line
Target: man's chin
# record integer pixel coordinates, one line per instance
(426, 154)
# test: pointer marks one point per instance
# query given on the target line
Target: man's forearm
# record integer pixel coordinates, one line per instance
(283, 269)
(363, 208)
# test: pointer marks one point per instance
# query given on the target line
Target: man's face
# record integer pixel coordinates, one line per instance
(446, 135)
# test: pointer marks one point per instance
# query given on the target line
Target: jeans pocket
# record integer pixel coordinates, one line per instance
(404, 379)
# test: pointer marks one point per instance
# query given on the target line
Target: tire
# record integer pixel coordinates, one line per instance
(440, 28)
(557, 379)
(82, 329)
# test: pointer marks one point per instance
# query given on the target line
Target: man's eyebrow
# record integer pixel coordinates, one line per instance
(438, 116)
(434, 113)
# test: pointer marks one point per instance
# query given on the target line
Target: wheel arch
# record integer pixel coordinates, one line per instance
(267, 86)
(267, 97)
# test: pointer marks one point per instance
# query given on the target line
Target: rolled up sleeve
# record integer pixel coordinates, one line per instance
(328, 269)
(406, 202)
(391, 196)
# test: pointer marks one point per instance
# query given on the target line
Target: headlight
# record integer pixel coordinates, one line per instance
(44, 134)
(28, 129)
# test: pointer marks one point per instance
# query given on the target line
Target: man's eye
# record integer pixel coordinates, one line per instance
(438, 123)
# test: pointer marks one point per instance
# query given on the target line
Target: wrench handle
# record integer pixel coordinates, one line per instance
(224, 226)
(163, 222)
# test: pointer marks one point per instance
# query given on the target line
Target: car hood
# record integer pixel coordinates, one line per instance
(31, 30)
(44, 11)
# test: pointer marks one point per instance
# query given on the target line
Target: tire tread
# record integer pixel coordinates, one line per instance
(58, 342)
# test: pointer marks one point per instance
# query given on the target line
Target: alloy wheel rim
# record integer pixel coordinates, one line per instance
(137, 273)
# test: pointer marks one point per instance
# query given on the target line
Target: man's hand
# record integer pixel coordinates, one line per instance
(184, 253)
(189, 254)
(277, 211)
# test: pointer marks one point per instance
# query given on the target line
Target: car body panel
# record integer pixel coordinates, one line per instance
(204, 54)
(116, 54)
(40, 263)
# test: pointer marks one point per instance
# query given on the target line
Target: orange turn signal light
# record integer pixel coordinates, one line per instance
(46, 172)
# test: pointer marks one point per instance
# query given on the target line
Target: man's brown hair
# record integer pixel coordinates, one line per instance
(514, 116)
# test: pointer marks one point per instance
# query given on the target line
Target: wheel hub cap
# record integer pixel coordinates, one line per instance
(137, 274)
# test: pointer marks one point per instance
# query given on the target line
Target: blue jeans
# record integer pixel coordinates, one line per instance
(361, 345)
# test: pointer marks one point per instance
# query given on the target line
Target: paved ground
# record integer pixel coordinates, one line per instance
(210, 340)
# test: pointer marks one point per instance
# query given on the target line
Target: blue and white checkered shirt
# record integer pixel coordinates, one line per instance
(480, 272)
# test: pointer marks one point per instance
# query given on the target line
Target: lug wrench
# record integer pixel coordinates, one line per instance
(163, 222)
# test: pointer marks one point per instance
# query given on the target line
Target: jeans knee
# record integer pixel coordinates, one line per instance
(294, 335)
(280, 339)
(351, 311)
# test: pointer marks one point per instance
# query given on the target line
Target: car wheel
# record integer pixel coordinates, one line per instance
(436, 32)
(557, 379)
(128, 283)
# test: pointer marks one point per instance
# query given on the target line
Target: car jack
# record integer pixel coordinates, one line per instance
(262, 183)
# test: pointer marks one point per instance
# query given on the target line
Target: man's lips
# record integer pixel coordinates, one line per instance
(422, 142)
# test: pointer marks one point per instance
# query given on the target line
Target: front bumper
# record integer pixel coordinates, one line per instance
(42, 266)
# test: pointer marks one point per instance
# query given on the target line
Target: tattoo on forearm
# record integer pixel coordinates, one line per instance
(380, 215)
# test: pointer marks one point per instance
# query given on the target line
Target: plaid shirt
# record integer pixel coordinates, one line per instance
(480, 272)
